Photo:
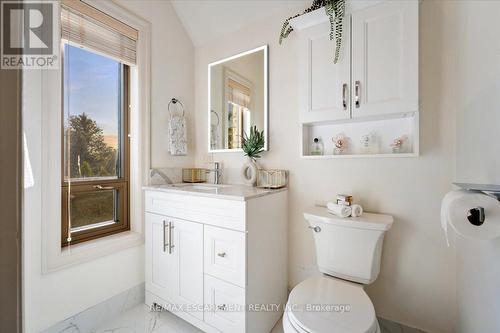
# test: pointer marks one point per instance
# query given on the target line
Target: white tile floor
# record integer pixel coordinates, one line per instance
(140, 320)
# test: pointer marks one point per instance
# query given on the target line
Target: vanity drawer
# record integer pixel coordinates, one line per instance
(225, 305)
(219, 212)
(225, 254)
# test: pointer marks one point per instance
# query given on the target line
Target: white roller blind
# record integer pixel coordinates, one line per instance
(86, 26)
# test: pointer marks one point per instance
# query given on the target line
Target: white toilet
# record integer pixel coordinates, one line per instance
(348, 252)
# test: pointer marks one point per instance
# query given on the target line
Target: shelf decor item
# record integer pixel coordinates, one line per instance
(399, 144)
(369, 144)
(253, 146)
(272, 178)
(317, 147)
(341, 143)
(335, 9)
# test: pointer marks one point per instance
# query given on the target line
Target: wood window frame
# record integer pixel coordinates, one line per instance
(120, 184)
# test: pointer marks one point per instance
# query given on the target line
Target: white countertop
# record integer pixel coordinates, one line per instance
(228, 192)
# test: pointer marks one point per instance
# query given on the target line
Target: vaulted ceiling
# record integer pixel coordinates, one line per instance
(206, 20)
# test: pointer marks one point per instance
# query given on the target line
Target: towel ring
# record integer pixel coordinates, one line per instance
(218, 120)
(175, 101)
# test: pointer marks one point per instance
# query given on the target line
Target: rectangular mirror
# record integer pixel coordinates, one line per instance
(237, 99)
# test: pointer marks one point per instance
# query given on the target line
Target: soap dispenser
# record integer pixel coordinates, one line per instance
(317, 147)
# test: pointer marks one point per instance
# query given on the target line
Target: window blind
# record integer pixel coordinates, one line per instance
(238, 93)
(88, 27)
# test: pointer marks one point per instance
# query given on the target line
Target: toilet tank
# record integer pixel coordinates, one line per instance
(349, 248)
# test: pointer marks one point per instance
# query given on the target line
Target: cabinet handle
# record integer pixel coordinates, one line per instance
(344, 96)
(221, 307)
(164, 244)
(357, 88)
(170, 238)
(222, 255)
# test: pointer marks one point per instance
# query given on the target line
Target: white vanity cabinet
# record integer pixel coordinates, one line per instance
(377, 72)
(212, 257)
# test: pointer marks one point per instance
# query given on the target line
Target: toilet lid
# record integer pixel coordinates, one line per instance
(322, 304)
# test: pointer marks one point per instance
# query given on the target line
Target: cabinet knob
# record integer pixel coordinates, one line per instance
(222, 254)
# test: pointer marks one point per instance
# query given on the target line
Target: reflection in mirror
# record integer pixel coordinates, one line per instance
(237, 98)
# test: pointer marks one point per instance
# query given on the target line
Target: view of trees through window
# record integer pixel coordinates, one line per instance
(95, 179)
(92, 103)
(89, 154)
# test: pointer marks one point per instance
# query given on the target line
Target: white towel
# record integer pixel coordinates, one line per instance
(339, 210)
(357, 210)
(178, 135)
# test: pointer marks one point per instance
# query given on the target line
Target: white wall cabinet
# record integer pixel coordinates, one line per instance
(324, 93)
(376, 77)
(377, 72)
(385, 59)
(219, 256)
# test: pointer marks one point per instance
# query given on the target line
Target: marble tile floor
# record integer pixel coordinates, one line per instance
(140, 320)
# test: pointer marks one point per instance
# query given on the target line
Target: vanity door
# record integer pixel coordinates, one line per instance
(324, 87)
(160, 263)
(186, 244)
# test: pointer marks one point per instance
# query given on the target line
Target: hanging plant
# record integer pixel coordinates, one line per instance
(335, 9)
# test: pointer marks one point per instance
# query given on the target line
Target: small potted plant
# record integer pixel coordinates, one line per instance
(252, 145)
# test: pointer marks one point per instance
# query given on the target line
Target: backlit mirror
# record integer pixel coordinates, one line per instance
(237, 99)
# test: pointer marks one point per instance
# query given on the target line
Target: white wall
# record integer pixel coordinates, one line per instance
(53, 297)
(473, 40)
(416, 285)
(172, 73)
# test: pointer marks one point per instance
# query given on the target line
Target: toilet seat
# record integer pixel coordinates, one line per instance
(323, 304)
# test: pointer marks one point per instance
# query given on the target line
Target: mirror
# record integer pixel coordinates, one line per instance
(237, 99)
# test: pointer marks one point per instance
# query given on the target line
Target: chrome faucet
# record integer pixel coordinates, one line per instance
(153, 172)
(217, 172)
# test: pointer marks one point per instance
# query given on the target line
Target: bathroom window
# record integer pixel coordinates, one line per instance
(98, 52)
(95, 150)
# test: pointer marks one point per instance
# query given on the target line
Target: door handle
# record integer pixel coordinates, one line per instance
(165, 245)
(344, 96)
(170, 238)
(357, 89)
(222, 255)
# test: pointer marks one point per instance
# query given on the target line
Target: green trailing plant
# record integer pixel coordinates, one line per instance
(253, 144)
(335, 9)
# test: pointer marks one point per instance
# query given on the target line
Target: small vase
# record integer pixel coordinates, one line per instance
(249, 172)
